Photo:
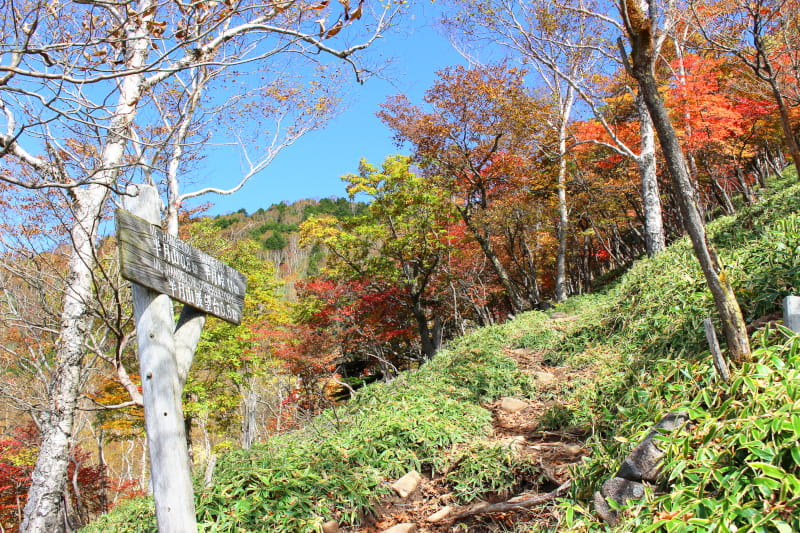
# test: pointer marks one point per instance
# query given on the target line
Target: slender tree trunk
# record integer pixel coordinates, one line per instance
(654, 238)
(43, 508)
(747, 192)
(517, 302)
(722, 195)
(760, 169)
(49, 475)
(687, 116)
(249, 411)
(427, 342)
(563, 222)
(437, 333)
(563, 212)
(786, 125)
(640, 31)
(534, 295)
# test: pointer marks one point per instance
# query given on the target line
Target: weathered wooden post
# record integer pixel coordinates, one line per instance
(161, 266)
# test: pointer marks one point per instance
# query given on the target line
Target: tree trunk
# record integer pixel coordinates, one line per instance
(563, 222)
(747, 192)
(249, 411)
(640, 29)
(517, 302)
(48, 478)
(563, 213)
(722, 195)
(427, 342)
(532, 284)
(786, 123)
(43, 508)
(654, 239)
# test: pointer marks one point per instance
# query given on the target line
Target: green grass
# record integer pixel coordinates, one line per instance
(339, 465)
(739, 466)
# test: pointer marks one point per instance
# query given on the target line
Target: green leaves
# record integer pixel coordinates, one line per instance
(482, 469)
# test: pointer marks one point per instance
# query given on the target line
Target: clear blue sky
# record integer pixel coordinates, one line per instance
(311, 168)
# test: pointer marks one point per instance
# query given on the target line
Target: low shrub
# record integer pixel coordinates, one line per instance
(485, 469)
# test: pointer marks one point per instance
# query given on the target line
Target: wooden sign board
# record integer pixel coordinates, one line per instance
(155, 259)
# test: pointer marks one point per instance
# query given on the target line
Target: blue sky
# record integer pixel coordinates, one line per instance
(311, 168)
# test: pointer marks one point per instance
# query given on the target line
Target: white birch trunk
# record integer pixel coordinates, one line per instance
(43, 510)
(655, 241)
(49, 477)
(563, 213)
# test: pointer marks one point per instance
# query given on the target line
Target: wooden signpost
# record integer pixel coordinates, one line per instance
(160, 267)
(157, 260)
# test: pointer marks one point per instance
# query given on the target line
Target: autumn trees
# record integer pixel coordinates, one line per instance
(400, 241)
(762, 35)
(643, 30)
(531, 31)
(474, 143)
(497, 152)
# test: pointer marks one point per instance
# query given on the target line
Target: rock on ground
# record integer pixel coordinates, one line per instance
(401, 528)
(512, 405)
(407, 485)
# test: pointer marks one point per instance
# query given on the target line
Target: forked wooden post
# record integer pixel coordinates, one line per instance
(161, 268)
(161, 390)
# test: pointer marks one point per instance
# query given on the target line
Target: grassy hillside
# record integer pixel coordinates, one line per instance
(629, 354)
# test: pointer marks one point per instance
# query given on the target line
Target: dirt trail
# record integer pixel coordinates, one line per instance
(552, 451)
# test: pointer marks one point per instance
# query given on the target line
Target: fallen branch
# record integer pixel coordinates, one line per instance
(521, 504)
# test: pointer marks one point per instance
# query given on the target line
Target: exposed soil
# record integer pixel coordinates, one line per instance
(553, 451)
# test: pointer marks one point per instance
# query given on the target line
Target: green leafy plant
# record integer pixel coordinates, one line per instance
(557, 416)
(484, 469)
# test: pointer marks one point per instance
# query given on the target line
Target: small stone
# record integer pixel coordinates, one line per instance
(621, 490)
(512, 405)
(407, 484)
(401, 528)
(543, 378)
(331, 526)
(604, 510)
(441, 514)
(573, 449)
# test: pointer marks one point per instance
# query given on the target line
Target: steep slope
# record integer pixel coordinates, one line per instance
(603, 367)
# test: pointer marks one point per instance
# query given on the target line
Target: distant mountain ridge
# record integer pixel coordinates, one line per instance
(276, 229)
